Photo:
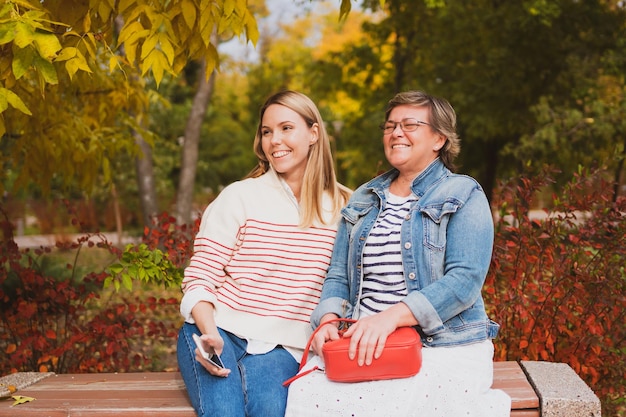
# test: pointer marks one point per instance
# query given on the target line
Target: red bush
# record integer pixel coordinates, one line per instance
(557, 284)
(61, 324)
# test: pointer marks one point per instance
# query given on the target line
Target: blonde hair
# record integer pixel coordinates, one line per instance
(319, 175)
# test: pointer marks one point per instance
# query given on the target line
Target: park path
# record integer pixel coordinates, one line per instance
(36, 241)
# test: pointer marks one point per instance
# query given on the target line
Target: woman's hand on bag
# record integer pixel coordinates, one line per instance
(367, 338)
(326, 333)
(369, 334)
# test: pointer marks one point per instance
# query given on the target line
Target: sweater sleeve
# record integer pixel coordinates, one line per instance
(214, 247)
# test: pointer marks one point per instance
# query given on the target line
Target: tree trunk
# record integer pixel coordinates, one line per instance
(189, 160)
(145, 181)
(618, 174)
(143, 166)
(491, 164)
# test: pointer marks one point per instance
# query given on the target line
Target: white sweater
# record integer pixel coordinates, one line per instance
(261, 271)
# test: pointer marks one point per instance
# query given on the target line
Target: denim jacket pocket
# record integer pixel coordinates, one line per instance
(353, 212)
(435, 218)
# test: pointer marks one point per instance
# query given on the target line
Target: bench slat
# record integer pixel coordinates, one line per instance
(509, 377)
(163, 394)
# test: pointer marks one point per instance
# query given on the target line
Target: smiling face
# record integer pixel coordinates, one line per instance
(285, 139)
(411, 152)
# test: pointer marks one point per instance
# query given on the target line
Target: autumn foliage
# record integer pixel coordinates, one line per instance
(69, 325)
(556, 284)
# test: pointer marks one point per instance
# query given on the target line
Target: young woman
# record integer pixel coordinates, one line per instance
(259, 261)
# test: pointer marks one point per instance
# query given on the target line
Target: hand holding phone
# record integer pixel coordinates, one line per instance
(213, 358)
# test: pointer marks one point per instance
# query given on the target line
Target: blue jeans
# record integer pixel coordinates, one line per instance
(253, 388)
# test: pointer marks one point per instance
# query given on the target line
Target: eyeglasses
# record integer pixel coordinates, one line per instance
(407, 125)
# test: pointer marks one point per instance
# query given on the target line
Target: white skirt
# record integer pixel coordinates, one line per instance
(453, 381)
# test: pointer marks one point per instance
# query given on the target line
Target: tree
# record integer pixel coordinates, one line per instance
(497, 61)
(63, 54)
(67, 96)
(189, 160)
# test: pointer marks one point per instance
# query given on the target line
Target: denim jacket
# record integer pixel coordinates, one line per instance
(447, 241)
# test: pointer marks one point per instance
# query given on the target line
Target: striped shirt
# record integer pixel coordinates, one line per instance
(383, 277)
(261, 271)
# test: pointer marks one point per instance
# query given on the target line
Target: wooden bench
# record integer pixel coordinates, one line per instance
(163, 394)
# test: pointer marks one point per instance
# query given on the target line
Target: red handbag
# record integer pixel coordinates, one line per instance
(401, 358)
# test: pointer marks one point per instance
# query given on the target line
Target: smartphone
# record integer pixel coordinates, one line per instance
(213, 358)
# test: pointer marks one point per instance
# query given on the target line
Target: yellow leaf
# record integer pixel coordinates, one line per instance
(23, 35)
(71, 66)
(167, 48)
(157, 62)
(130, 46)
(149, 45)
(20, 399)
(212, 61)
(90, 44)
(125, 4)
(82, 62)
(229, 7)
(252, 30)
(47, 45)
(16, 102)
(128, 30)
(113, 63)
(104, 10)
(66, 53)
(87, 22)
(189, 13)
(228, 23)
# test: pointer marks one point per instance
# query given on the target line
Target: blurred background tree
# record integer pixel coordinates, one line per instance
(531, 81)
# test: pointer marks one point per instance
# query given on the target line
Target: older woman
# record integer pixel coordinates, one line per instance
(413, 249)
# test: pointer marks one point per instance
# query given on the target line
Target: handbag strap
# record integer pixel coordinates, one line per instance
(305, 355)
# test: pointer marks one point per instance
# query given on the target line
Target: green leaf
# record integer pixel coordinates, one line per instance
(115, 269)
(344, 9)
(7, 32)
(22, 61)
(107, 282)
(46, 70)
(127, 282)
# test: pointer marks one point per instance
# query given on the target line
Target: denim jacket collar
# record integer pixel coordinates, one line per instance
(421, 184)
